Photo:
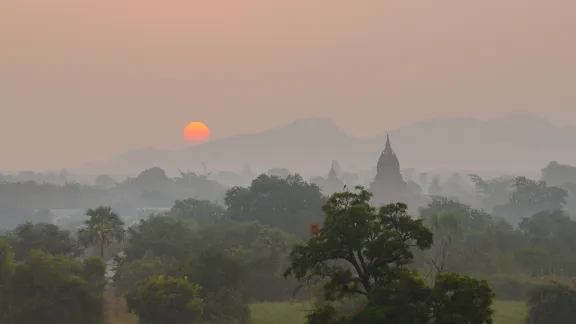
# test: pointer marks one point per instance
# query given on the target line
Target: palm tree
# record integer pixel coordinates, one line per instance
(103, 228)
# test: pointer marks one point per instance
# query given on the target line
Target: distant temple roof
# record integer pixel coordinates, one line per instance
(388, 160)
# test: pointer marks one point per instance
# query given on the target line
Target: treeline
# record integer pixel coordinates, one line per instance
(23, 201)
(360, 264)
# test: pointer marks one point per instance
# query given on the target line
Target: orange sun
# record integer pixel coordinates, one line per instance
(196, 132)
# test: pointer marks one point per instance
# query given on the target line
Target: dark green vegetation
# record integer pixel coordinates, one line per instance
(200, 262)
(364, 254)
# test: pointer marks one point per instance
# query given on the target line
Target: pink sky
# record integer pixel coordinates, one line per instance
(85, 80)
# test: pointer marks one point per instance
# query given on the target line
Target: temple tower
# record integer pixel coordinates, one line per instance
(388, 185)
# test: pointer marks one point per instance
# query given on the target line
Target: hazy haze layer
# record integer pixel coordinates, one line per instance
(84, 81)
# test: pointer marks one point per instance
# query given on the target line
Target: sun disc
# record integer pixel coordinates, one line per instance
(196, 132)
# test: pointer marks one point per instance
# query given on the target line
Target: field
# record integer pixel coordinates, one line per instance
(286, 313)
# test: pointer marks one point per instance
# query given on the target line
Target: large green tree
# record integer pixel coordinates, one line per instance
(289, 203)
(103, 228)
(367, 253)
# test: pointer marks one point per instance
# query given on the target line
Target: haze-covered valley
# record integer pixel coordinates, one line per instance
(138, 216)
(287, 162)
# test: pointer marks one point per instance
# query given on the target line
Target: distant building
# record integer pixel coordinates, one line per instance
(388, 185)
(331, 183)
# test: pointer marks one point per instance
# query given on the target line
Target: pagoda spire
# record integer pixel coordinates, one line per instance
(388, 148)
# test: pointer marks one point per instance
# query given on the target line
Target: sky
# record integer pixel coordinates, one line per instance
(82, 81)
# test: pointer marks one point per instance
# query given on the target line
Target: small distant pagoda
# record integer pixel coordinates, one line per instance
(332, 183)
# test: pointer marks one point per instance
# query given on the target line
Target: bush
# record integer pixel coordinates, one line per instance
(552, 303)
(511, 287)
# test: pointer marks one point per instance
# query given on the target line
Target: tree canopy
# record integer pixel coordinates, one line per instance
(289, 203)
(103, 228)
(159, 300)
(363, 252)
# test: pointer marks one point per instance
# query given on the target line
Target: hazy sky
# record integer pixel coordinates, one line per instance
(83, 80)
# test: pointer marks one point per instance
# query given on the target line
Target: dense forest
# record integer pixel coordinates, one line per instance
(216, 252)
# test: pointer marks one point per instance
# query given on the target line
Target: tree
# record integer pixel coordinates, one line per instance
(220, 272)
(6, 273)
(159, 300)
(103, 228)
(105, 182)
(159, 235)
(46, 237)
(57, 290)
(551, 303)
(461, 299)
(201, 211)
(290, 203)
(549, 243)
(129, 273)
(456, 227)
(264, 251)
(494, 192)
(557, 174)
(530, 197)
(362, 252)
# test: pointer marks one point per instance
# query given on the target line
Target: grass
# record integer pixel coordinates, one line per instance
(507, 312)
(276, 313)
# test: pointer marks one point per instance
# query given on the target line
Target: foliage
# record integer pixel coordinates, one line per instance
(47, 237)
(162, 245)
(56, 289)
(103, 228)
(365, 241)
(361, 252)
(461, 299)
(6, 273)
(552, 303)
(129, 273)
(558, 174)
(21, 201)
(159, 300)
(289, 203)
(201, 211)
(494, 192)
(549, 242)
(465, 238)
(530, 197)
(159, 235)
(265, 251)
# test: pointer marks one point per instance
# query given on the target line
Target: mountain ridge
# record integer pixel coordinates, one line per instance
(308, 145)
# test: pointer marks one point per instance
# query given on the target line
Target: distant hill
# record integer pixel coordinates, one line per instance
(519, 142)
